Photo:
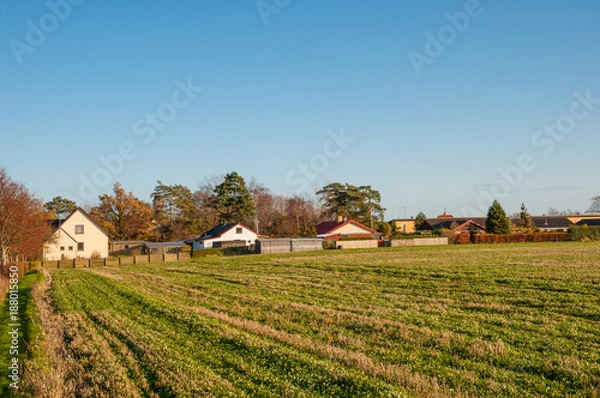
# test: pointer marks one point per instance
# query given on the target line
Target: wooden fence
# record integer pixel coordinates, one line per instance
(114, 262)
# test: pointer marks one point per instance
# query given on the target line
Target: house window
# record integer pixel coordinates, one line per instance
(62, 248)
(70, 248)
(238, 230)
(80, 247)
(78, 229)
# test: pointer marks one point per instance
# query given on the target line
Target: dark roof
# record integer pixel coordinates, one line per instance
(55, 224)
(326, 226)
(593, 222)
(551, 222)
(431, 224)
(219, 230)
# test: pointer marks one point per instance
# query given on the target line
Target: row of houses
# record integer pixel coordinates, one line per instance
(79, 236)
(477, 224)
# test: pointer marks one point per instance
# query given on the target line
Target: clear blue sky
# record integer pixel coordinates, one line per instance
(273, 94)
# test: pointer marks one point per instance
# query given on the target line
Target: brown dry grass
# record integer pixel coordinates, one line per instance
(50, 375)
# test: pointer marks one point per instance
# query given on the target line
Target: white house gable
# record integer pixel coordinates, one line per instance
(77, 236)
(234, 233)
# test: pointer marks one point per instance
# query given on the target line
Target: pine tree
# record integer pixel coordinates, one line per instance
(233, 201)
(497, 222)
(525, 217)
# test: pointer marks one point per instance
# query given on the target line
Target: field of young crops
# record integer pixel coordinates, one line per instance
(505, 320)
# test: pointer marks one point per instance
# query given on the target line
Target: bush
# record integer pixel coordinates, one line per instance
(584, 233)
(448, 233)
(95, 255)
(329, 245)
(514, 238)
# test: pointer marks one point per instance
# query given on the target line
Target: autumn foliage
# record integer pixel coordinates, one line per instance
(24, 226)
(123, 216)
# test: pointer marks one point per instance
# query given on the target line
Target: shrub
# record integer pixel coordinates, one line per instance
(448, 233)
(520, 238)
(329, 245)
(95, 255)
(584, 232)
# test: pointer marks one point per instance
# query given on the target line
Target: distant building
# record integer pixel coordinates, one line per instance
(458, 225)
(334, 230)
(78, 236)
(223, 236)
(406, 226)
(127, 247)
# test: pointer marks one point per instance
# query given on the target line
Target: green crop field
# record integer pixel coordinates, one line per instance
(519, 320)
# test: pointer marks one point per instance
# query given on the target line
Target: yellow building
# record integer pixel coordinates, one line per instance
(406, 226)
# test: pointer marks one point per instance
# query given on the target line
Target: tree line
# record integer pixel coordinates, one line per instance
(177, 213)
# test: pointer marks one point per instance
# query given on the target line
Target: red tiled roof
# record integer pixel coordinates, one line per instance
(327, 227)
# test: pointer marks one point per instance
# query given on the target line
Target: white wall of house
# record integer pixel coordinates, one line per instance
(77, 237)
(351, 229)
(238, 232)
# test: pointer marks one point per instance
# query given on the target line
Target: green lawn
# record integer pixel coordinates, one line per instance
(519, 320)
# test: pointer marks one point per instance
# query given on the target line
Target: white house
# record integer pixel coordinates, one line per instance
(225, 235)
(341, 228)
(77, 236)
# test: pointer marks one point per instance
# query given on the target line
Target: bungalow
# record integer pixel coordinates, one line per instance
(225, 235)
(552, 223)
(78, 236)
(333, 230)
(458, 225)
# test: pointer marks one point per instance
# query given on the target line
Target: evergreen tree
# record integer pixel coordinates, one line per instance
(357, 203)
(525, 217)
(497, 222)
(233, 201)
(60, 207)
(420, 219)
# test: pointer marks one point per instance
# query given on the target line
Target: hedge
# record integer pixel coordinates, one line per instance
(585, 232)
(513, 238)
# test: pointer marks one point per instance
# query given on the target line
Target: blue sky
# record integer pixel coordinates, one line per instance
(274, 94)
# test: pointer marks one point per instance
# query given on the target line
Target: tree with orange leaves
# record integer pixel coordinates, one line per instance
(24, 227)
(123, 216)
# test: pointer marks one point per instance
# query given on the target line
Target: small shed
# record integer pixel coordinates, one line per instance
(288, 245)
